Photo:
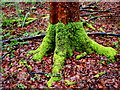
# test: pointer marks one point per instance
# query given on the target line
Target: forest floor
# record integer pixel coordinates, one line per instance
(30, 19)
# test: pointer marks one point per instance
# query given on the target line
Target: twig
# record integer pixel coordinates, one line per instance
(31, 73)
(42, 35)
(107, 10)
(91, 4)
(99, 33)
(12, 49)
(8, 53)
(46, 74)
(103, 16)
(88, 7)
(94, 10)
(23, 38)
(87, 14)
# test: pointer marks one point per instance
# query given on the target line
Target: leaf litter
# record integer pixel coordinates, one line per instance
(91, 71)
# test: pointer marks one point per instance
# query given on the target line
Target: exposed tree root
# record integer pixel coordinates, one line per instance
(47, 44)
(64, 39)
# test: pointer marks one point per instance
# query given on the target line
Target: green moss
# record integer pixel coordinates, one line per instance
(83, 43)
(87, 30)
(90, 26)
(106, 51)
(118, 45)
(101, 30)
(99, 74)
(70, 83)
(81, 55)
(52, 79)
(63, 47)
(64, 39)
(47, 44)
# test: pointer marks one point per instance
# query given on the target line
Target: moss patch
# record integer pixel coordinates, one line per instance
(81, 55)
(63, 40)
(90, 26)
(52, 79)
(70, 83)
(47, 44)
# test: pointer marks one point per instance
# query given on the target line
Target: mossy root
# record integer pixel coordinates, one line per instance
(64, 39)
(46, 46)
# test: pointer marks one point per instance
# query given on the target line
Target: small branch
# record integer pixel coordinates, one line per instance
(45, 74)
(94, 10)
(99, 33)
(91, 4)
(8, 53)
(23, 38)
(87, 14)
(13, 49)
(107, 10)
(88, 7)
(103, 16)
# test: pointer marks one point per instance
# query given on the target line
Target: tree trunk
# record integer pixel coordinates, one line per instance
(64, 12)
(66, 34)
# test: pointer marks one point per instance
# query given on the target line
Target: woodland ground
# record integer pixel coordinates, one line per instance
(13, 67)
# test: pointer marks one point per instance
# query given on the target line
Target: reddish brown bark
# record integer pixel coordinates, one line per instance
(64, 12)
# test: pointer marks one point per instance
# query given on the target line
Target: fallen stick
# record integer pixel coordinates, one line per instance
(14, 48)
(103, 16)
(94, 10)
(89, 7)
(46, 74)
(87, 14)
(99, 33)
(92, 3)
(24, 38)
(8, 53)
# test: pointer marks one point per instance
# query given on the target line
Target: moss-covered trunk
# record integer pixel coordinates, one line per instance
(65, 37)
(63, 40)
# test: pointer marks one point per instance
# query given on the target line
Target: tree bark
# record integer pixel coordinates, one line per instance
(64, 12)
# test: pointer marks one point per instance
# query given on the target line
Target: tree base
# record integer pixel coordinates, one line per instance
(63, 40)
